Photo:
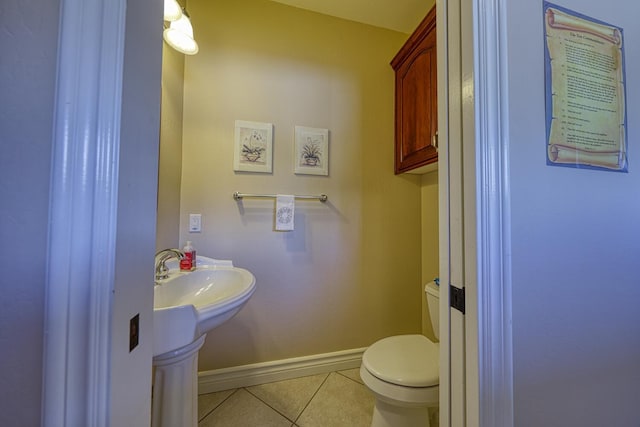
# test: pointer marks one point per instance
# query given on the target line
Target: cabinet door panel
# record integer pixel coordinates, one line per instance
(417, 114)
(416, 98)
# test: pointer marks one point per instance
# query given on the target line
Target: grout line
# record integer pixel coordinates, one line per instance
(349, 378)
(312, 397)
(266, 403)
(217, 406)
(286, 417)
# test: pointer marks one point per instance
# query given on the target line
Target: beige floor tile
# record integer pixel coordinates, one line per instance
(242, 409)
(354, 374)
(339, 402)
(209, 402)
(289, 397)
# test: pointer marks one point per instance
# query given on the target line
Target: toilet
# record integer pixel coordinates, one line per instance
(402, 372)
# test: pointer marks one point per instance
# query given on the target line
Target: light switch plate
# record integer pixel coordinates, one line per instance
(195, 223)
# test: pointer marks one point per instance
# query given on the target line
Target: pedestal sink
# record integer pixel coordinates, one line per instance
(186, 306)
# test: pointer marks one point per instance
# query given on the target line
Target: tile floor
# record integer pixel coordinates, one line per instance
(337, 399)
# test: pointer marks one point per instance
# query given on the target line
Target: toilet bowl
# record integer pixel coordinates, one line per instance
(402, 372)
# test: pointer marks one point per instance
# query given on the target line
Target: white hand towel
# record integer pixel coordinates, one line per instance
(285, 209)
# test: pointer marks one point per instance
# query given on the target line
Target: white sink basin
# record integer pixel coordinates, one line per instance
(189, 304)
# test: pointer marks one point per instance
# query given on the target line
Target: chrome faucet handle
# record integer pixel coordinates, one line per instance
(161, 270)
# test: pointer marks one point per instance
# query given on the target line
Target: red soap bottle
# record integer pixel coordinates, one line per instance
(188, 262)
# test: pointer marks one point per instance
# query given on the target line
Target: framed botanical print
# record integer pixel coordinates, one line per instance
(311, 151)
(253, 147)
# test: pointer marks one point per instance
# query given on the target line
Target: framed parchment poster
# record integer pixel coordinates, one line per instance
(585, 91)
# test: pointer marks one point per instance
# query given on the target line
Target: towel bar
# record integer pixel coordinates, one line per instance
(239, 196)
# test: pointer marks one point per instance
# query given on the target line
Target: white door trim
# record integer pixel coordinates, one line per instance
(451, 206)
(83, 213)
(473, 32)
(495, 366)
(443, 207)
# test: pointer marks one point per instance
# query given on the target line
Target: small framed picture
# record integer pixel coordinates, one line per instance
(253, 147)
(311, 151)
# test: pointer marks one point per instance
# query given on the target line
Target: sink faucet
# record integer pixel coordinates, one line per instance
(162, 272)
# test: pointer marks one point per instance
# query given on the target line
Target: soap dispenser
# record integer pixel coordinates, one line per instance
(188, 262)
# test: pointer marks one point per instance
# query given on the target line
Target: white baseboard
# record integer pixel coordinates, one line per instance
(278, 370)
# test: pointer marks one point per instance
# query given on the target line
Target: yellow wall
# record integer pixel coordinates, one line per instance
(170, 163)
(350, 273)
(430, 266)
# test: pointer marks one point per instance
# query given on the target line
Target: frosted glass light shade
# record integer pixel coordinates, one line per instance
(179, 36)
(172, 10)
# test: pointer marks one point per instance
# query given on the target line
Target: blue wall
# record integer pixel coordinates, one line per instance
(576, 241)
(28, 44)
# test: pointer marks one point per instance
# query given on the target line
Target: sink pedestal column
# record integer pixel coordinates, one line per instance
(175, 387)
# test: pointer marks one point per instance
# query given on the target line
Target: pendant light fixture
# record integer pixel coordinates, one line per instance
(179, 34)
(172, 10)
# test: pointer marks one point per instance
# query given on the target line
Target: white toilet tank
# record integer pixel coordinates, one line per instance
(433, 302)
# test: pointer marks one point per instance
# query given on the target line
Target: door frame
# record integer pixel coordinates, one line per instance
(78, 302)
(80, 278)
(472, 104)
(494, 322)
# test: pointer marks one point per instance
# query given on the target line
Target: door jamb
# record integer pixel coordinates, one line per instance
(83, 213)
(495, 352)
(490, 391)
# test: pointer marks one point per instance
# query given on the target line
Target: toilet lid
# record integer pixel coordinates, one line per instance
(406, 360)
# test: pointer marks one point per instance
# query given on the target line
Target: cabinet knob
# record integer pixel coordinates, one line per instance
(434, 140)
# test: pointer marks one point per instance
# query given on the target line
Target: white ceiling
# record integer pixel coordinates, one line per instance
(398, 15)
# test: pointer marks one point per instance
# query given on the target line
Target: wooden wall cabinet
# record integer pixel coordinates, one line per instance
(416, 104)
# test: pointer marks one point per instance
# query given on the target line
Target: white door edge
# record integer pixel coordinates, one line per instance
(451, 204)
(443, 207)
